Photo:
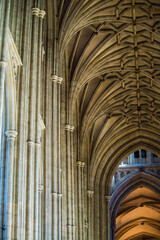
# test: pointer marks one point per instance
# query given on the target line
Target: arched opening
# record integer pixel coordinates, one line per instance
(139, 161)
(135, 201)
(138, 216)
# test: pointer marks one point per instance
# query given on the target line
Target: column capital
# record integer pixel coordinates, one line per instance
(80, 164)
(69, 128)
(11, 134)
(59, 80)
(41, 14)
(107, 198)
(40, 188)
(90, 193)
(35, 11)
(71, 226)
(30, 142)
(56, 194)
(3, 63)
(54, 78)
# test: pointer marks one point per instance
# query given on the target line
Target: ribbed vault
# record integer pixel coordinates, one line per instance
(112, 63)
(112, 55)
(138, 215)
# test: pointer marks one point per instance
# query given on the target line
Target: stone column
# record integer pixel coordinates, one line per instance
(41, 15)
(56, 183)
(80, 166)
(107, 198)
(54, 163)
(40, 216)
(70, 183)
(9, 165)
(30, 181)
(90, 194)
(4, 23)
(59, 176)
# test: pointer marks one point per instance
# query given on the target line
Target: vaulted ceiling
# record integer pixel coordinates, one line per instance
(139, 216)
(112, 51)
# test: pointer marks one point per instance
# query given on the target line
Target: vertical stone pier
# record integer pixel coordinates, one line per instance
(90, 197)
(8, 195)
(70, 183)
(80, 166)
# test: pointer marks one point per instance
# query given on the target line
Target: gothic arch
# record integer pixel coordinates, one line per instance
(103, 176)
(138, 180)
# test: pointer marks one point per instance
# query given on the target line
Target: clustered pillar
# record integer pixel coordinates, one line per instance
(70, 183)
(90, 196)
(80, 166)
(56, 164)
(8, 195)
(33, 142)
(107, 198)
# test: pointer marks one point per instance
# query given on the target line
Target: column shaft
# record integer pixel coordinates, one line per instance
(3, 47)
(22, 93)
(90, 214)
(56, 178)
(59, 177)
(31, 130)
(37, 126)
(70, 184)
(8, 195)
(80, 166)
(107, 198)
(54, 171)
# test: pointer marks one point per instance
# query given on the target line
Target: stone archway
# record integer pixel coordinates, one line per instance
(131, 185)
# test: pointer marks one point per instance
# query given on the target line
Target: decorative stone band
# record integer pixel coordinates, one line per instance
(42, 13)
(56, 79)
(90, 193)
(3, 63)
(40, 188)
(56, 194)
(107, 198)
(37, 144)
(70, 226)
(37, 12)
(80, 164)
(69, 128)
(59, 80)
(11, 134)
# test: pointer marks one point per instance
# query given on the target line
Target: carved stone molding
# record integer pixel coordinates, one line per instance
(3, 63)
(80, 164)
(59, 80)
(56, 194)
(107, 198)
(69, 128)
(70, 226)
(30, 142)
(42, 13)
(40, 188)
(90, 193)
(37, 12)
(56, 79)
(11, 134)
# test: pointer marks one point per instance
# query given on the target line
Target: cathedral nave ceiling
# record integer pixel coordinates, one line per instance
(112, 50)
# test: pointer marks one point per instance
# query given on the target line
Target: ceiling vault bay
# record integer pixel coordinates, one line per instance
(113, 54)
